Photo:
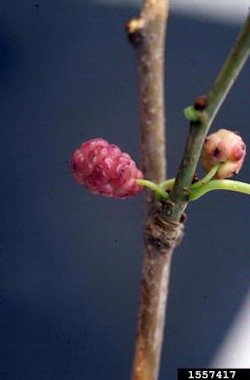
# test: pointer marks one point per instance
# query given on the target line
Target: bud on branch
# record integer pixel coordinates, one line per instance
(225, 148)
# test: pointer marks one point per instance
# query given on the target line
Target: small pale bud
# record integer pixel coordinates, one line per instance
(226, 148)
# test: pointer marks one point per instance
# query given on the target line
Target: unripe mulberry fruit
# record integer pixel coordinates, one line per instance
(226, 148)
(103, 169)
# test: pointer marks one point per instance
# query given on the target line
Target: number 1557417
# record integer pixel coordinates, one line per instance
(211, 374)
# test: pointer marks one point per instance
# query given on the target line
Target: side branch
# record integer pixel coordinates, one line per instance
(206, 109)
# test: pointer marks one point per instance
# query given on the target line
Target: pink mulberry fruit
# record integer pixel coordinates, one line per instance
(225, 147)
(103, 169)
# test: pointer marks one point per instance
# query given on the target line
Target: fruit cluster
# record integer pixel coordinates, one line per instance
(103, 169)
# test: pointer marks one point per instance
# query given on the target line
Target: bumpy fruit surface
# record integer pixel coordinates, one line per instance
(224, 147)
(103, 169)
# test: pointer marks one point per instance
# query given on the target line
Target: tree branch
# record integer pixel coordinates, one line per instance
(147, 35)
(206, 109)
(163, 230)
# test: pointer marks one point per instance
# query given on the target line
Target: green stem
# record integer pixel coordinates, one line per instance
(230, 71)
(157, 189)
(219, 184)
(207, 178)
(199, 129)
(167, 184)
(199, 188)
